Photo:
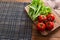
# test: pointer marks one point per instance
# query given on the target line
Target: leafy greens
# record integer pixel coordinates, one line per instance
(37, 8)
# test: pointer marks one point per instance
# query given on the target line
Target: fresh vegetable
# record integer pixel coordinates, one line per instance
(36, 8)
(42, 18)
(50, 17)
(49, 25)
(48, 20)
(41, 26)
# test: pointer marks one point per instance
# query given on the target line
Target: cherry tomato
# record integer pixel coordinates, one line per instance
(49, 25)
(42, 18)
(41, 26)
(50, 17)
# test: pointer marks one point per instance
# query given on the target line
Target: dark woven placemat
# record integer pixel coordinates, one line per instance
(14, 22)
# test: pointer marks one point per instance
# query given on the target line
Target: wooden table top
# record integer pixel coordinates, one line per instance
(15, 0)
(53, 36)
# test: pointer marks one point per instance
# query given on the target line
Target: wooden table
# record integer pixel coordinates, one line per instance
(16, 0)
(53, 36)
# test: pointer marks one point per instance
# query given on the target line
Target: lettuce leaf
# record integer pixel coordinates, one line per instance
(36, 8)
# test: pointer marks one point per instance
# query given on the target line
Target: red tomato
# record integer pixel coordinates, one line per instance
(50, 17)
(42, 18)
(49, 25)
(41, 26)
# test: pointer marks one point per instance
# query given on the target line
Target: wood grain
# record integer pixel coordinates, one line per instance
(15, 0)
